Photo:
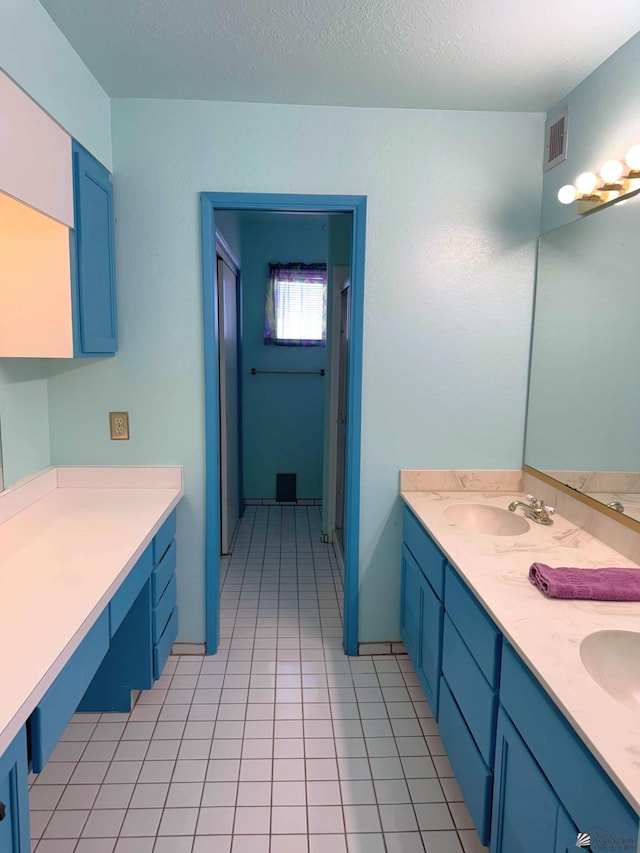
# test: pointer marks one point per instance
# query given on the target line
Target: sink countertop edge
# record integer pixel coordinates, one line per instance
(496, 570)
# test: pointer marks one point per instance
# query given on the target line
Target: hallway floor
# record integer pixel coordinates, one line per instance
(277, 744)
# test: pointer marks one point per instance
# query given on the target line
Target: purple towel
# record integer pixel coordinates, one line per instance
(590, 584)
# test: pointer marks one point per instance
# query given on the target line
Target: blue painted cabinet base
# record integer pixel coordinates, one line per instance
(14, 797)
(128, 664)
(52, 714)
(528, 816)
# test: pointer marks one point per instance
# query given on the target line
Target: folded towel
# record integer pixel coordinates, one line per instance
(616, 584)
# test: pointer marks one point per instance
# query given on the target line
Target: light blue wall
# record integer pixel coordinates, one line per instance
(24, 414)
(449, 277)
(603, 125)
(283, 415)
(35, 54)
(39, 58)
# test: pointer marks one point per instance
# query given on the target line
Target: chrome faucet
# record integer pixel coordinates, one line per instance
(616, 505)
(536, 510)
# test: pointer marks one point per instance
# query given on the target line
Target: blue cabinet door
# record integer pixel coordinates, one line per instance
(410, 605)
(525, 807)
(93, 260)
(14, 798)
(429, 643)
(566, 834)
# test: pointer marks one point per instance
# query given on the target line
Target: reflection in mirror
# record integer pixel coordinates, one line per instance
(584, 392)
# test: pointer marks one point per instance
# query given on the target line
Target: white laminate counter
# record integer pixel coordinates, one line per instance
(547, 632)
(68, 538)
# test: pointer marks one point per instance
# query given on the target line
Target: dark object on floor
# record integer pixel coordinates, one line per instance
(286, 488)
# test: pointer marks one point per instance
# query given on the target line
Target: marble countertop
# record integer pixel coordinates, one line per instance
(547, 632)
(68, 538)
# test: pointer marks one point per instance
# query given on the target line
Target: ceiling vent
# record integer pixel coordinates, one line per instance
(556, 136)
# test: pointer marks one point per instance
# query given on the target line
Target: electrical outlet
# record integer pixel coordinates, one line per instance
(119, 425)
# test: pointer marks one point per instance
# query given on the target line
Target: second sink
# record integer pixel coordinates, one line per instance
(482, 518)
(612, 659)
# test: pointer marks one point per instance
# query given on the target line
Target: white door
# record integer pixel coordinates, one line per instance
(229, 426)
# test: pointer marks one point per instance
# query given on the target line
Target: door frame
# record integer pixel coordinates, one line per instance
(291, 203)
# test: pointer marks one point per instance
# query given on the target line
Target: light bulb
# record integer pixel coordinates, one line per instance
(567, 194)
(633, 158)
(611, 171)
(586, 183)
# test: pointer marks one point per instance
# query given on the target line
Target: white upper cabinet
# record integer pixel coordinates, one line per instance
(35, 155)
(57, 262)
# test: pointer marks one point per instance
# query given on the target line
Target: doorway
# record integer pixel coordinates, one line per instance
(352, 382)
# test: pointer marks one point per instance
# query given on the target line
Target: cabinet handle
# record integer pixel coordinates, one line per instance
(3, 811)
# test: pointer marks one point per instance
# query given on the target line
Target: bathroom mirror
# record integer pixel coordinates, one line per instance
(583, 419)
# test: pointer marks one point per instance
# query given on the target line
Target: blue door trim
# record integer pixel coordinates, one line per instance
(357, 206)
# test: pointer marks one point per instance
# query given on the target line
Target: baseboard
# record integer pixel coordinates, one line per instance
(188, 649)
(390, 648)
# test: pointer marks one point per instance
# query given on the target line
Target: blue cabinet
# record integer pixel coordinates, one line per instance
(92, 258)
(164, 617)
(144, 626)
(14, 797)
(528, 780)
(474, 775)
(410, 605)
(525, 807)
(51, 715)
(587, 794)
(421, 606)
(471, 652)
(126, 649)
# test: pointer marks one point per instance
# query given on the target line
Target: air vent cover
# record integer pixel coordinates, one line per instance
(556, 136)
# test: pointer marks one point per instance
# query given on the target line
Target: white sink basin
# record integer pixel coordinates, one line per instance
(481, 518)
(612, 659)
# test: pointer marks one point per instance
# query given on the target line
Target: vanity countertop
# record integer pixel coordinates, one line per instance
(547, 632)
(68, 538)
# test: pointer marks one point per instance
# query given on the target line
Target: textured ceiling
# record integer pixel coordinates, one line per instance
(451, 54)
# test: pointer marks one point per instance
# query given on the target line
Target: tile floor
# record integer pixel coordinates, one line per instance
(278, 744)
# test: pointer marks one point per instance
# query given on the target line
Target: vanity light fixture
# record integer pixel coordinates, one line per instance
(616, 181)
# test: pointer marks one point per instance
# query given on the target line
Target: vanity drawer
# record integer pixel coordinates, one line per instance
(473, 775)
(162, 648)
(587, 793)
(163, 573)
(427, 554)
(163, 538)
(162, 611)
(129, 590)
(50, 717)
(475, 697)
(480, 634)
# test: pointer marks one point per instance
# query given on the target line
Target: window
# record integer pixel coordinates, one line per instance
(296, 305)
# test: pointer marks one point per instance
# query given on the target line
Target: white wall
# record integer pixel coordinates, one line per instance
(453, 210)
